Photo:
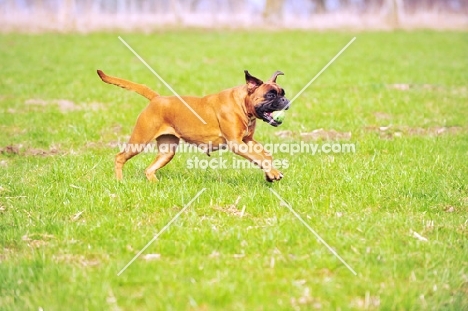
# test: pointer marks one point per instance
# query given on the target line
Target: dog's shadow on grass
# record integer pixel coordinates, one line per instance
(202, 178)
(214, 177)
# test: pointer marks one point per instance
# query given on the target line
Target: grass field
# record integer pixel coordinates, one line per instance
(395, 210)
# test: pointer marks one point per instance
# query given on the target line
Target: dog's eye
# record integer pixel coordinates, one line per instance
(271, 95)
(282, 92)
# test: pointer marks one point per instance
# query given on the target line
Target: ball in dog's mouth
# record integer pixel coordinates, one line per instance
(274, 118)
(279, 116)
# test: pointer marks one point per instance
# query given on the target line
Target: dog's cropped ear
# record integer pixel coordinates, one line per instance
(275, 75)
(252, 82)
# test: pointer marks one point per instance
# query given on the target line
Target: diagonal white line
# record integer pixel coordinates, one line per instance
(313, 231)
(321, 71)
(162, 80)
(160, 232)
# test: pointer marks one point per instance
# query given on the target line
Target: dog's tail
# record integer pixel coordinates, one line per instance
(129, 85)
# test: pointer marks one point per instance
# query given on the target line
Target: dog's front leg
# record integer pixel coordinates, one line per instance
(254, 152)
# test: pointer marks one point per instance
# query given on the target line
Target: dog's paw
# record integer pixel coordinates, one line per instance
(273, 175)
(151, 177)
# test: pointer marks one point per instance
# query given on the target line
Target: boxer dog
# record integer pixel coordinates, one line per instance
(225, 119)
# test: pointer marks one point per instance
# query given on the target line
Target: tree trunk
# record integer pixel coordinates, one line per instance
(321, 7)
(273, 11)
(394, 13)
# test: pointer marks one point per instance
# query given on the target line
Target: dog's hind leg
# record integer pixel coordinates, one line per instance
(130, 150)
(167, 146)
(120, 160)
(138, 143)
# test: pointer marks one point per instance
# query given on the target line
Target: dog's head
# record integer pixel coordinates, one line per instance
(265, 98)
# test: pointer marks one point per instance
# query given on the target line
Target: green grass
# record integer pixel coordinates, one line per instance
(366, 204)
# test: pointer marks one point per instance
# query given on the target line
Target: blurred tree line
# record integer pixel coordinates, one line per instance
(66, 12)
(267, 7)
